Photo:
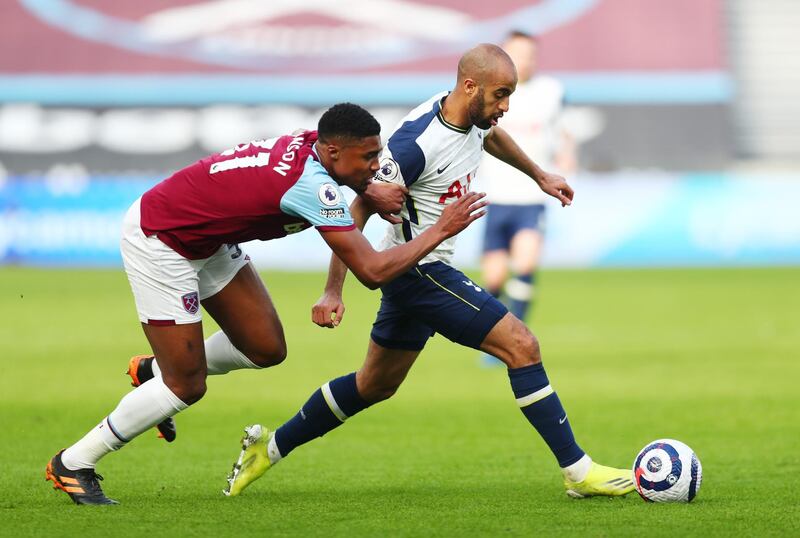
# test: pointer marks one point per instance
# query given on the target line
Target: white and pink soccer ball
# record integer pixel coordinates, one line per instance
(667, 471)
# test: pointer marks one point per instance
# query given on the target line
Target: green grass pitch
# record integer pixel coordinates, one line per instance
(710, 357)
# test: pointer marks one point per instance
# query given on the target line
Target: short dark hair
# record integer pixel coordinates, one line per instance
(346, 120)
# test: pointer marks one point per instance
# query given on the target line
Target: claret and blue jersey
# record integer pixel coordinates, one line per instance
(264, 189)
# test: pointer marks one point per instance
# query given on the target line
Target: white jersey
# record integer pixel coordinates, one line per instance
(437, 161)
(532, 121)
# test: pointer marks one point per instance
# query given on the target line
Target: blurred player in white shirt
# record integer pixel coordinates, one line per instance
(515, 223)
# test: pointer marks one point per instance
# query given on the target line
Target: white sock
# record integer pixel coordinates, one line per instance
(141, 409)
(577, 471)
(94, 445)
(273, 453)
(221, 356)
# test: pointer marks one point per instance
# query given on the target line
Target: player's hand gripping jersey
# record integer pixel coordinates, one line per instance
(437, 162)
(264, 189)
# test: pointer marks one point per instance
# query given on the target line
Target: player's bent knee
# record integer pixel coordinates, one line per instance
(525, 351)
(190, 390)
(267, 357)
(530, 350)
(520, 347)
(267, 352)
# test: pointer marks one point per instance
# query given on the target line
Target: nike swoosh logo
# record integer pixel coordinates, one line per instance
(440, 170)
(562, 420)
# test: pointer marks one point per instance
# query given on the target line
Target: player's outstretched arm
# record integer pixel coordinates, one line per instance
(374, 269)
(329, 309)
(500, 144)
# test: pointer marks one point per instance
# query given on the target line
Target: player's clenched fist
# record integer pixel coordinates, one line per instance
(328, 310)
(461, 213)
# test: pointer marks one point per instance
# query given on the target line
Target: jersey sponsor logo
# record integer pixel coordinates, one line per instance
(336, 213)
(329, 194)
(457, 189)
(191, 302)
(388, 171)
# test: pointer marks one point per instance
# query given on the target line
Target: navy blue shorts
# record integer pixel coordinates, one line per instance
(503, 222)
(433, 298)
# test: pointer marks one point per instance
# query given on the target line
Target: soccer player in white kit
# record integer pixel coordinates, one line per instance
(435, 152)
(515, 226)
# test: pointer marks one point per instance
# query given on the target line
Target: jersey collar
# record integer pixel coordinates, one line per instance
(446, 123)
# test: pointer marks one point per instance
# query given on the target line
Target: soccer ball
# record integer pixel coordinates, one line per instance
(667, 471)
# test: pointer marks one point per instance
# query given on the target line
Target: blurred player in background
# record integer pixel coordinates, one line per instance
(516, 220)
(179, 247)
(435, 152)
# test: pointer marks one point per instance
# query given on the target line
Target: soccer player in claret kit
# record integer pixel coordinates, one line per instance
(179, 247)
(435, 152)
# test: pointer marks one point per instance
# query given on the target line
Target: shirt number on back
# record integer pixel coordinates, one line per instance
(259, 159)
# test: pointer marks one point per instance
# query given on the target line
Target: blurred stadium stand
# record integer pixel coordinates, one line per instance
(763, 43)
(685, 111)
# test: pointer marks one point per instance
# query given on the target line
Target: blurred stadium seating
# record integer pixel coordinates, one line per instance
(685, 111)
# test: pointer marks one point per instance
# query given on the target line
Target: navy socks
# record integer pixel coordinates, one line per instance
(541, 406)
(326, 409)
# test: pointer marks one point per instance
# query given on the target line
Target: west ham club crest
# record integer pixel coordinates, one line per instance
(191, 302)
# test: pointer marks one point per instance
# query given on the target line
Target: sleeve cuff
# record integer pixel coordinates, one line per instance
(345, 228)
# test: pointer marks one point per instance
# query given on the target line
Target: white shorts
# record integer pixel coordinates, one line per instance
(166, 286)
